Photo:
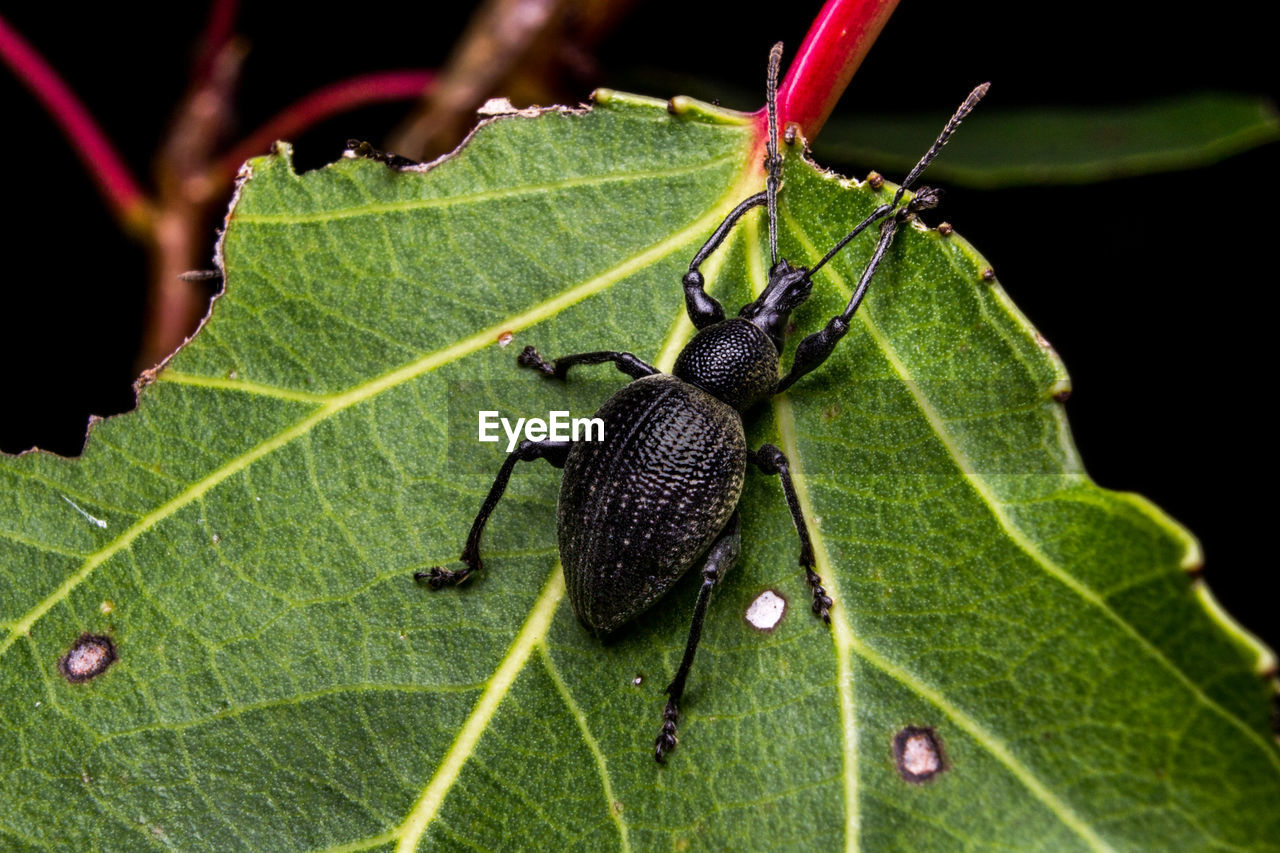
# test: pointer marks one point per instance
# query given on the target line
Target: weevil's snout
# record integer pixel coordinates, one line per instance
(788, 288)
(793, 283)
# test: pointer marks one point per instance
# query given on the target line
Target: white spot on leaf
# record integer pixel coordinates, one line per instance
(766, 611)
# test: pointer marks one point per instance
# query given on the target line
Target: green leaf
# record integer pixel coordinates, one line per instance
(1062, 146)
(246, 539)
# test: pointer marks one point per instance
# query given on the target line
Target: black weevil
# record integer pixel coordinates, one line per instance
(639, 508)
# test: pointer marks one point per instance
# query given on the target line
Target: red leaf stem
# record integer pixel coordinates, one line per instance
(835, 46)
(104, 164)
(219, 29)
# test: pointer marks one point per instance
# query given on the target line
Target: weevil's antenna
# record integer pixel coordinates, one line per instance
(963, 110)
(773, 162)
(815, 348)
(883, 210)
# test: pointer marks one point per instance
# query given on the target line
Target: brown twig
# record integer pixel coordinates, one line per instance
(510, 46)
(181, 237)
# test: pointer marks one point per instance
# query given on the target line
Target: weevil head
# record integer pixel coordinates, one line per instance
(733, 360)
(788, 288)
(737, 359)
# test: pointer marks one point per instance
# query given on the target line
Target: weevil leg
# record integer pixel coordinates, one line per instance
(814, 349)
(554, 452)
(624, 361)
(704, 309)
(723, 553)
(771, 460)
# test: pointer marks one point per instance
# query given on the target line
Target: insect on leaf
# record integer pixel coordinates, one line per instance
(1016, 657)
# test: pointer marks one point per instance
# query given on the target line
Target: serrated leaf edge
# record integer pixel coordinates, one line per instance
(1191, 548)
(534, 629)
(335, 403)
(843, 637)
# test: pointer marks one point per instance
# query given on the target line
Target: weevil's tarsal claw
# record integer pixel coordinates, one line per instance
(666, 740)
(438, 577)
(470, 556)
(821, 601)
(530, 358)
(925, 198)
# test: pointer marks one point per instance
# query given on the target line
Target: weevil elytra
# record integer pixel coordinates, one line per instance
(660, 492)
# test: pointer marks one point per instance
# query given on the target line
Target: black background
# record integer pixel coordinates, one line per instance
(1156, 291)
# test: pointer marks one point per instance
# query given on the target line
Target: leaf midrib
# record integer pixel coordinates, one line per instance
(841, 630)
(843, 637)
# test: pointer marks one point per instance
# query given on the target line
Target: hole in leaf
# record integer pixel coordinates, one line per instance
(87, 658)
(918, 754)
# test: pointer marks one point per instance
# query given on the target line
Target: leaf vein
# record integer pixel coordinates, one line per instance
(592, 744)
(504, 675)
(1016, 535)
(359, 393)
(480, 197)
(848, 644)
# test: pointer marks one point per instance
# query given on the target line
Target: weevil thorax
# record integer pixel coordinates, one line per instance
(732, 360)
(787, 289)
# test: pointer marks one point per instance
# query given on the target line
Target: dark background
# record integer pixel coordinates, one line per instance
(1156, 291)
